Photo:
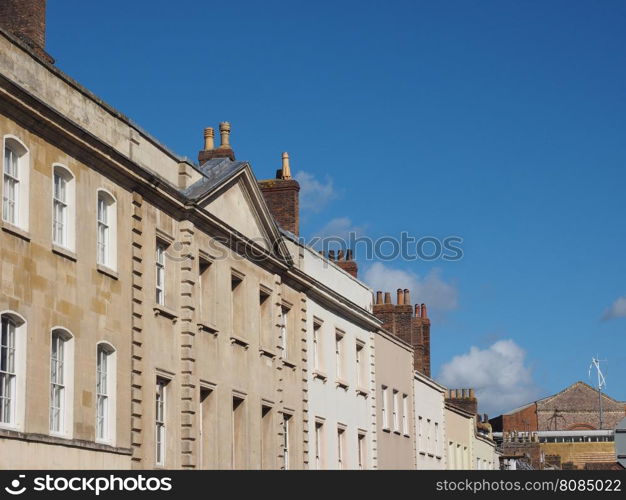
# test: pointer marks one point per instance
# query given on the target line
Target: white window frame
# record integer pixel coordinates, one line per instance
(63, 230)
(61, 407)
(420, 435)
(339, 355)
(106, 218)
(12, 378)
(106, 391)
(319, 437)
(394, 411)
(362, 450)
(160, 421)
(18, 179)
(286, 428)
(284, 330)
(160, 275)
(316, 346)
(360, 364)
(405, 414)
(384, 407)
(341, 448)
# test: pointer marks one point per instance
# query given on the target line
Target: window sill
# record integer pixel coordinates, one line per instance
(320, 375)
(64, 252)
(361, 391)
(107, 271)
(234, 340)
(16, 231)
(160, 310)
(342, 383)
(208, 328)
(289, 363)
(266, 351)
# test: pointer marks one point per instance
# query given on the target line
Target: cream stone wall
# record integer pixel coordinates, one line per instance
(51, 288)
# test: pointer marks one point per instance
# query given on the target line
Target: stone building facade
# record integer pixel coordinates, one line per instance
(154, 301)
(164, 306)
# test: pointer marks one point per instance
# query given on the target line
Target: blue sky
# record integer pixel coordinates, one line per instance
(497, 121)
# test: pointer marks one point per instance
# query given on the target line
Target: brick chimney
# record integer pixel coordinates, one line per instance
(26, 19)
(464, 399)
(225, 150)
(345, 261)
(282, 197)
(409, 323)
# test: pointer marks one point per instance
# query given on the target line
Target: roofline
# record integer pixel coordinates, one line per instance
(429, 381)
(100, 102)
(456, 409)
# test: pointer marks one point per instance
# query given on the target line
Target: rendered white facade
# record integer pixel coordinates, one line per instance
(430, 423)
(340, 362)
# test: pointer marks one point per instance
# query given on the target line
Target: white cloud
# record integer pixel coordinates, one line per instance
(314, 195)
(617, 309)
(430, 289)
(340, 227)
(500, 375)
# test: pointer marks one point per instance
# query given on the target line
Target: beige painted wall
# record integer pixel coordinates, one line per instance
(459, 434)
(394, 369)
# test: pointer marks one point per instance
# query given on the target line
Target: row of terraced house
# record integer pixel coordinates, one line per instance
(159, 312)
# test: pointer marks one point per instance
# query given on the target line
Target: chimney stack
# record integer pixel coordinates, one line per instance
(210, 152)
(282, 197)
(26, 19)
(464, 399)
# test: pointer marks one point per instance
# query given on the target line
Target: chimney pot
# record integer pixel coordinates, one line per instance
(379, 297)
(285, 173)
(417, 310)
(471, 393)
(424, 311)
(407, 297)
(349, 254)
(400, 295)
(209, 134)
(340, 255)
(387, 297)
(225, 135)
(331, 255)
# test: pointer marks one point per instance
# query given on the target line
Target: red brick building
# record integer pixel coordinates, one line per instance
(574, 408)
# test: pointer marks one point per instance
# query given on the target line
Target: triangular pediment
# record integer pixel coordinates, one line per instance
(235, 208)
(235, 199)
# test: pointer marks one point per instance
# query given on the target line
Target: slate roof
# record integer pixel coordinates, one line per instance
(214, 172)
